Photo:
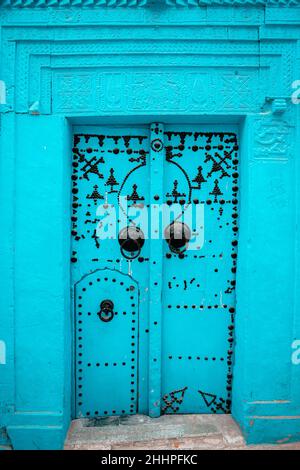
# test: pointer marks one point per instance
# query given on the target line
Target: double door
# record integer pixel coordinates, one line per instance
(154, 253)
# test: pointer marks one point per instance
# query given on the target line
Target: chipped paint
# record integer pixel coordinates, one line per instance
(2, 92)
(2, 352)
(268, 402)
(296, 353)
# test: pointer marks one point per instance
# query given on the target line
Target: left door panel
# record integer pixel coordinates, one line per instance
(109, 173)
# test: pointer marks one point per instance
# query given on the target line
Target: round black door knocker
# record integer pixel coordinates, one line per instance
(106, 312)
(131, 240)
(177, 235)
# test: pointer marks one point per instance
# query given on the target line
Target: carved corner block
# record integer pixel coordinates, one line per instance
(34, 108)
(277, 106)
(5, 108)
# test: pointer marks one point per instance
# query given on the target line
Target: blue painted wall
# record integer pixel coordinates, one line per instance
(63, 65)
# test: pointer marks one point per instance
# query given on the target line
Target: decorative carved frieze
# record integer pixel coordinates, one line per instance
(92, 70)
(141, 3)
(137, 92)
(233, 2)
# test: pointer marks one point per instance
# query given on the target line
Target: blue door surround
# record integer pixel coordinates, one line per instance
(206, 63)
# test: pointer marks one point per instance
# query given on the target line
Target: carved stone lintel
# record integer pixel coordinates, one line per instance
(274, 3)
(71, 3)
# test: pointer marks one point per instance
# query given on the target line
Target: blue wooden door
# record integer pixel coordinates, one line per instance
(154, 315)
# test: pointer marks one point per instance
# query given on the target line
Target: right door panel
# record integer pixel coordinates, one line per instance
(201, 171)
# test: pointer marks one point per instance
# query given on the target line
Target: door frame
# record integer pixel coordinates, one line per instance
(156, 246)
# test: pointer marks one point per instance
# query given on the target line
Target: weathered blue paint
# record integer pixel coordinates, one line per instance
(211, 64)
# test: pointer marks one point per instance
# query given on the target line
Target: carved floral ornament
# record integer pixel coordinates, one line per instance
(141, 3)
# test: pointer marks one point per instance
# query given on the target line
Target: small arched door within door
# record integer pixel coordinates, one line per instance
(106, 306)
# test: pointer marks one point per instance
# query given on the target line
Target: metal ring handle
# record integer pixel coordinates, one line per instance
(138, 251)
(177, 251)
(106, 313)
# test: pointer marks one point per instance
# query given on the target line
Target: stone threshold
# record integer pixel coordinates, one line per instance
(169, 432)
